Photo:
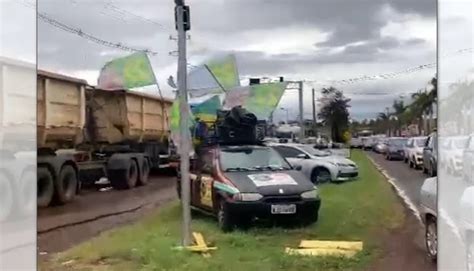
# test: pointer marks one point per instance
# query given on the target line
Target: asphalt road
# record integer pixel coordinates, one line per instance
(451, 255)
(409, 180)
(93, 211)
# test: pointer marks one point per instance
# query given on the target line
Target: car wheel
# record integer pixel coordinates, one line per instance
(424, 169)
(405, 160)
(470, 252)
(410, 164)
(320, 175)
(307, 221)
(223, 217)
(432, 172)
(431, 238)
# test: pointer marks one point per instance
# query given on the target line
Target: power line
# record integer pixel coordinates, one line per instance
(390, 75)
(80, 33)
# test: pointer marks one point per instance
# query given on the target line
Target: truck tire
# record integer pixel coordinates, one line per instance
(66, 185)
(124, 178)
(145, 173)
(45, 184)
(27, 192)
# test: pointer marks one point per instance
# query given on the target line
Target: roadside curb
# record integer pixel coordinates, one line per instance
(400, 193)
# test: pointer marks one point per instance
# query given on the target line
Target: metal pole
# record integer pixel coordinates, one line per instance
(300, 94)
(314, 113)
(185, 136)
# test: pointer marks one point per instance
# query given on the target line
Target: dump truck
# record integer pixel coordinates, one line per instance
(17, 138)
(85, 134)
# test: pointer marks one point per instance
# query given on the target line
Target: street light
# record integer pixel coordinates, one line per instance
(285, 109)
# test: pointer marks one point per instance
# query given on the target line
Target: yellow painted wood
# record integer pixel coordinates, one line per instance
(347, 245)
(199, 239)
(320, 252)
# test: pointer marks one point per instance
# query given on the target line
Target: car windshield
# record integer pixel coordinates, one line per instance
(249, 158)
(315, 152)
(420, 142)
(398, 142)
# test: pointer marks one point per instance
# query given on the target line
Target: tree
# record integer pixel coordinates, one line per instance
(399, 108)
(334, 112)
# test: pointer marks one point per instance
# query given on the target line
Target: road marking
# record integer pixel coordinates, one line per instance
(399, 191)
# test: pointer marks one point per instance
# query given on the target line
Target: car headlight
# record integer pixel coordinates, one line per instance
(313, 194)
(419, 153)
(247, 196)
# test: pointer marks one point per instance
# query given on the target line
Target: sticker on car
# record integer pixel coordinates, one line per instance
(269, 179)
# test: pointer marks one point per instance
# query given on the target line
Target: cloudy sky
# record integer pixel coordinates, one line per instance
(313, 40)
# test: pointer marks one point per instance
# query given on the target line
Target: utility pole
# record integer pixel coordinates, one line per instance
(314, 112)
(301, 116)
(182, 24)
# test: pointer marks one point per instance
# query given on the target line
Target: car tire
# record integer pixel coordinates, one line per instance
(223, 217)
(431, 238)
(66, 185)
(7, 197)
(470, 251)
(307, 221)
(316, 174)
(432, 172)
(410, 164)
(405, 160)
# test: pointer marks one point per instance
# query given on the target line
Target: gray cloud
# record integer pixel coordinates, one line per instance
(230, 22)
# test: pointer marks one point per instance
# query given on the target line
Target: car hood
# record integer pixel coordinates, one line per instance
(335, 159)
(270, 183)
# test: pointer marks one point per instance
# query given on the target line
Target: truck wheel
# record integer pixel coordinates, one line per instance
(125, 178)
(223, 217)
(66, 185)
(27, 192)
(45, 188)
(6, 197)
(145, 173)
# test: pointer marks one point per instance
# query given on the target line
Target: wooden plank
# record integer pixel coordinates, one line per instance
(199, 239)
(320, 252)
(347, 245)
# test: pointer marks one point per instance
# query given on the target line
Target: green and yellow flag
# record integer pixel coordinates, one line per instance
(127, 72)
(207, 110)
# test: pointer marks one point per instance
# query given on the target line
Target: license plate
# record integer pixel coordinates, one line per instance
(284, 209)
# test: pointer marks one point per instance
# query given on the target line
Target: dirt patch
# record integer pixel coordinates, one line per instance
(404, 249)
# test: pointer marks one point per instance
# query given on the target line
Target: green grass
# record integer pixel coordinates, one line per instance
(359, 210)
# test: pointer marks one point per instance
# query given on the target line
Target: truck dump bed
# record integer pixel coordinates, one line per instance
(70, 113)
(126, 116)
(60, 110)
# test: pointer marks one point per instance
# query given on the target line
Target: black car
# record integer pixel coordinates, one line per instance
(241, 183)
(395, 148)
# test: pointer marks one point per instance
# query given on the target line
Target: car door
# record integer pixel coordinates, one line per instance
(202, 181)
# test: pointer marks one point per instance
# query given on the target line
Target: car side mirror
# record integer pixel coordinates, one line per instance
(302, 156)
(298, 168)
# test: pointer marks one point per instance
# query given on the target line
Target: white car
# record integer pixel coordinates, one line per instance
(429, 214)
(413, 151)
(452, 154)
(319, 166)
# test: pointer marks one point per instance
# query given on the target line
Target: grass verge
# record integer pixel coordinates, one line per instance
(359, 210)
